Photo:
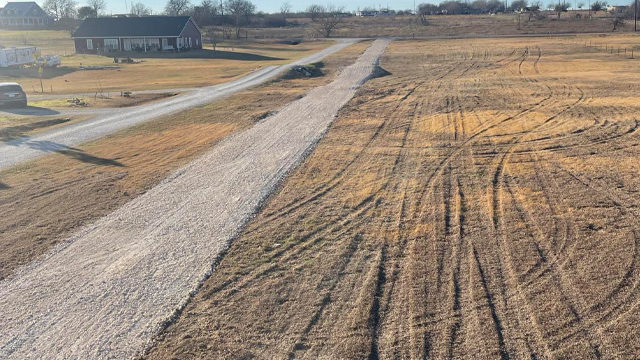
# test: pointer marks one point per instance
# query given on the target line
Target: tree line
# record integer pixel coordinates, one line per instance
(454, 7)
(227, 13)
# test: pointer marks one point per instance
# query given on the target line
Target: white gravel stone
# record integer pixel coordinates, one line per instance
(107, 291)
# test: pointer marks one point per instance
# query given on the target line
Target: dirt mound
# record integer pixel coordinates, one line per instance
(304, 71)
(379, 72)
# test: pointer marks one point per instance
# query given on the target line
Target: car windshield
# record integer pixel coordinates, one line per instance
(10, 88)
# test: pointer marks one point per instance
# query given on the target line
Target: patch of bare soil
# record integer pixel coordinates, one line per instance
(46, 200)
(480, 202)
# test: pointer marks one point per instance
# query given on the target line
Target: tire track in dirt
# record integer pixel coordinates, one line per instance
(471, 237)
(560, 279)
(380, 131)
(146, 258)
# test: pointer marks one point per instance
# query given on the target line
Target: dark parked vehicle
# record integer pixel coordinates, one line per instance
(12, 95)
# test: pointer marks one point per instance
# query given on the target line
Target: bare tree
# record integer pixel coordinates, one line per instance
(329, 20)
(60, 9)
(561, 7)
(85, 12)
(285, 9)
(97, 5)
(424, 10)
(598, 6)
(617, 21)
(534, 9)
(239, 9)
(205, 13)
(140, 9)
(314, 11)
(177, 7)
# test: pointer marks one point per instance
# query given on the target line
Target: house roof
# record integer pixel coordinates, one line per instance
(169, 26)
(22, 9)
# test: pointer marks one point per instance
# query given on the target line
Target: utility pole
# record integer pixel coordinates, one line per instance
(635, 17)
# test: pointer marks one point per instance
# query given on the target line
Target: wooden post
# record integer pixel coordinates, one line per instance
(40, 71)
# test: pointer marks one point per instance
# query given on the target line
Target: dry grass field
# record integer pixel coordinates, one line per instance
(156, 71)
(479, 202)
(452, 25)
(43, 201)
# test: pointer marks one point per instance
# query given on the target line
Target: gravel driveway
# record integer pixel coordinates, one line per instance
(107, 291)
(22, 149)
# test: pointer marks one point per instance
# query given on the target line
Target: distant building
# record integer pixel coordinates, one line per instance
(24, 16)
(366, 13)
(148, 33)
(370, 13)
(618, 9)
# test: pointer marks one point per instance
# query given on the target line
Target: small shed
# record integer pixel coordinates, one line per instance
(142, 34)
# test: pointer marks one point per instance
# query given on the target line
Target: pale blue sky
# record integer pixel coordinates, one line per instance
(118, 6)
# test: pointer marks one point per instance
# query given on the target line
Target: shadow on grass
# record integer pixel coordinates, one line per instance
(32, 72)
(195, 54)
(4, 186)
(31, 110)
(71, 152)
(16, 136)
(17, 132)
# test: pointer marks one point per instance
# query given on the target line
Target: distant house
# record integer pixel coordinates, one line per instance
(368, 13)
(148, 33)
(24, 16)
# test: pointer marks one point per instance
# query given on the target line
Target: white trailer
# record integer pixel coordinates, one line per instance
(17, 56)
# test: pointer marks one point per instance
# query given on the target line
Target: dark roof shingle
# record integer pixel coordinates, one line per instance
(132, 26)
(21, 9)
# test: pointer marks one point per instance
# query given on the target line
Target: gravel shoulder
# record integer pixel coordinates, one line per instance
(113, 285)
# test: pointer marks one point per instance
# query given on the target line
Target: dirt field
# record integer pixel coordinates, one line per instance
(451, 25)
(480, 202)
(46, 200)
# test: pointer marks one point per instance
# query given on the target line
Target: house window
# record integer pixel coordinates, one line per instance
(111, 44)
(90, 44)
(153, 44)
(165, 43)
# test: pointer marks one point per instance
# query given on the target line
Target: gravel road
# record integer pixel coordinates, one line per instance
(22, 149)
(107, 291)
